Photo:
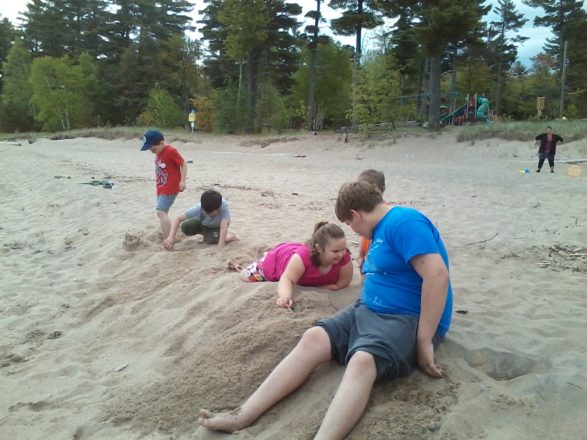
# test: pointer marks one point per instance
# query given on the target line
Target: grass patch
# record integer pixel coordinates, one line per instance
(523, 131)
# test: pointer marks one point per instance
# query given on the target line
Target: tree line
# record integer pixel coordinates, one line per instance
(84, 63)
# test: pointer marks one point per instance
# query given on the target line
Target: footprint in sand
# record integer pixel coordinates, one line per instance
(500, 365)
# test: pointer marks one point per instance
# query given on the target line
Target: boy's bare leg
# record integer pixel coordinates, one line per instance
(351, 398)
(312, 350)
(165, 223)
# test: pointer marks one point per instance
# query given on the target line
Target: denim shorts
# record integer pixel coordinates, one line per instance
(164, 202)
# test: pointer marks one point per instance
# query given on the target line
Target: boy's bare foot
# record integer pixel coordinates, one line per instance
(227, 422)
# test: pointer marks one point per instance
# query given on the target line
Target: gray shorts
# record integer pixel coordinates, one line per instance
(165, 201)
(391, 339)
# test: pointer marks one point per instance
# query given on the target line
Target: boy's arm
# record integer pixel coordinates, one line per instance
(344, 278)
(170, 240)
(293, 272)
(183, 169)
(223, 232)
(361, 258)
(435, 278)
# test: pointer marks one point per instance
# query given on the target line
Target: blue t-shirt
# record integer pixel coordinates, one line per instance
(207, 220)
(391, 283)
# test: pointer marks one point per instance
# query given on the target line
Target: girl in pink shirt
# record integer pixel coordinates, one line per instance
(323, 261)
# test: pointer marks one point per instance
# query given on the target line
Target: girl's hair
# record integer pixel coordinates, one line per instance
(324, 233)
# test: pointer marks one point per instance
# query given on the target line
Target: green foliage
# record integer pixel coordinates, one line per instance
(333, 85)
(228, 117)
(61, 92)
(246, 24)
(376, 90)
(7, 35)
(205, 113)
(16, 110)
(543, 82)
(271, 109)
(162, 111)
(356, 16)
(257, 33)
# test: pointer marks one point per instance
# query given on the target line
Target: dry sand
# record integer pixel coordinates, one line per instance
(105, 335)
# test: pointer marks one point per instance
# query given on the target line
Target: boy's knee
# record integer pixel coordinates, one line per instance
(315, 345)
(162, 214)
(315, 337)
(362, 363)
(186, 228)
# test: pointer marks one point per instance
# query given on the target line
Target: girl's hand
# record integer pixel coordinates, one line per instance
(286, 303)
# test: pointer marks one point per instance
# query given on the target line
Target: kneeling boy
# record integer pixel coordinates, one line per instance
(210, 217)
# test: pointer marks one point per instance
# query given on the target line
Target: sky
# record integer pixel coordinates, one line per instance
(11, 8)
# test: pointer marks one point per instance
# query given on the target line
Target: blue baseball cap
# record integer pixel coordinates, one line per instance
(150, 138)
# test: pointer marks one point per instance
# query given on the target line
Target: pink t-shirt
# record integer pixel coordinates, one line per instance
(277, 258)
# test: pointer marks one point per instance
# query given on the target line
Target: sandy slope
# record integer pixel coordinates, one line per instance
(87, 288)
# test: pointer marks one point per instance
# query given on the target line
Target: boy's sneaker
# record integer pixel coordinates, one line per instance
(538, 170)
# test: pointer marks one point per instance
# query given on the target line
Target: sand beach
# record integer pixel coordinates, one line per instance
(106, 335)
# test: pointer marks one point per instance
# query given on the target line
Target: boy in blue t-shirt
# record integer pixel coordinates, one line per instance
(405, 309)
(210, 217)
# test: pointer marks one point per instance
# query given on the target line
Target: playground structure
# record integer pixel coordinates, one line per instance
(476, 109)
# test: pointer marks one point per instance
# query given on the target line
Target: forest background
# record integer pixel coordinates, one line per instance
(85, 63)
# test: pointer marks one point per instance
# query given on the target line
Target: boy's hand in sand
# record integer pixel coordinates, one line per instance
(426, 359)
(168, 243)
(286, 303)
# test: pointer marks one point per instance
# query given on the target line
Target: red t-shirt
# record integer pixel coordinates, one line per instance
(167, 171)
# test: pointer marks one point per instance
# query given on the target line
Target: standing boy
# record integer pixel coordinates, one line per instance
(170, 173)
(210, 217)
(547, 149)
(404, 311)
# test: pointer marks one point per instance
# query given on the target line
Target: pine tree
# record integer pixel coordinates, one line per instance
(510, 21)
(271, 50)
(356, 16)
(442, 23)
(16, 111)
(567, 19)
(7, 36)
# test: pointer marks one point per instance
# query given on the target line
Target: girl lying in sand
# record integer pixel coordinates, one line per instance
(322, 261)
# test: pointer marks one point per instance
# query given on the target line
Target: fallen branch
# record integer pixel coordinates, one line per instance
(482, 241)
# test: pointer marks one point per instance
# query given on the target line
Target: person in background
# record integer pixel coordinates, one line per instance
(547, 149)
